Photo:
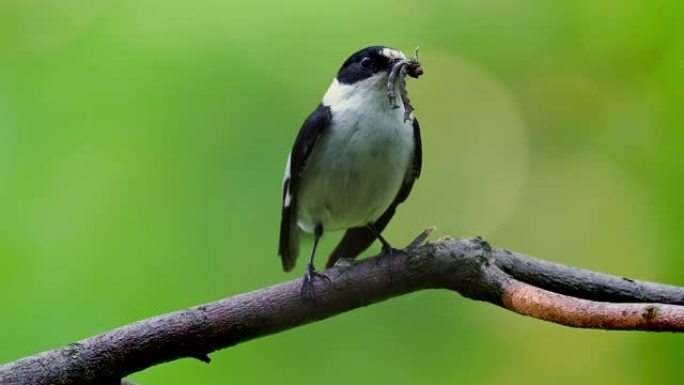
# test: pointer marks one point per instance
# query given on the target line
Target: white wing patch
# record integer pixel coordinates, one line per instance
(286, 183)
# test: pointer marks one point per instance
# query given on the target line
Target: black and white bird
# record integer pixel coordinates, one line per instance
(354, 160)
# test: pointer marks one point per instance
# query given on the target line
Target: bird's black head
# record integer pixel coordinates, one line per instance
(368, 62)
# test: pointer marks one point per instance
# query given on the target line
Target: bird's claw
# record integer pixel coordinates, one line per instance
(388, 254)
(307, 290)
(390, 251)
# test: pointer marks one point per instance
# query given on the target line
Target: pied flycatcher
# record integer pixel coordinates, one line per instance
(354, 160)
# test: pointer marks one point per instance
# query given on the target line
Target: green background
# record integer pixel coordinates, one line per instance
(142, 145)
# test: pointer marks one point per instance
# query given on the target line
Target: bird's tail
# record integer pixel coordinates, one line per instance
(354, 242)
(288, 248)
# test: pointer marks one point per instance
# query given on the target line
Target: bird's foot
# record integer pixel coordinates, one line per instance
(308, 283)
(387, 254)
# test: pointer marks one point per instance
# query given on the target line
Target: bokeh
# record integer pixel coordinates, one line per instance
(142, 145)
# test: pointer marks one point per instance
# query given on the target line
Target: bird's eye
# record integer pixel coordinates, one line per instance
(366, 62)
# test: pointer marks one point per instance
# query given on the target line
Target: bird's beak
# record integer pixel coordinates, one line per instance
(391, 65)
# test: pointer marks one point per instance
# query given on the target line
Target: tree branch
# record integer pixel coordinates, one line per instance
(583, 283)
(522, 284)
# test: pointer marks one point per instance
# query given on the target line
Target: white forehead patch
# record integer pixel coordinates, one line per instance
(392, 54)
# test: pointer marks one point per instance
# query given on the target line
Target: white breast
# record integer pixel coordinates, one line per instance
(358, 165)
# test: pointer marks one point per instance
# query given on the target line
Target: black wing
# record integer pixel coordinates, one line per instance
(311, 130)
(358, 239)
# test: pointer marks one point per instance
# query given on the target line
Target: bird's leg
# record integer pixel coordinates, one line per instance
(387, 249)
(311, 274)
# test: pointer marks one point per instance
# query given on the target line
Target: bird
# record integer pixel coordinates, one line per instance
(355, 159)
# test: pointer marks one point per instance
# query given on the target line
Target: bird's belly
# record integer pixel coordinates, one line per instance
(353, 177)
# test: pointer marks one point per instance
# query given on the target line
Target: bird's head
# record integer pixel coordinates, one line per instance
(375, 62)
(371, 75)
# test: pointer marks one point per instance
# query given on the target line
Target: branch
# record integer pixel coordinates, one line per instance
(522, 284)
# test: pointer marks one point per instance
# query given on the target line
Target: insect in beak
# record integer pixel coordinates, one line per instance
(402, 67)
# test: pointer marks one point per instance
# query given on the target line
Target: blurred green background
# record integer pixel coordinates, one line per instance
(142, 145)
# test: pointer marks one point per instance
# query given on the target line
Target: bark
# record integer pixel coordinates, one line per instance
(471, 267)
